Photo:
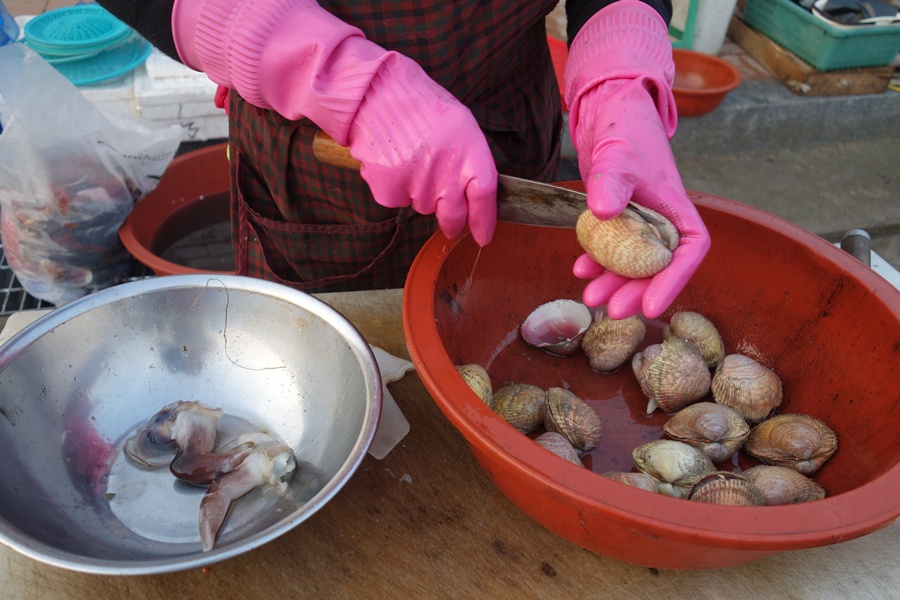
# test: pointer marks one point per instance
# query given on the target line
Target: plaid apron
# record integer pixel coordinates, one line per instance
(316, 227)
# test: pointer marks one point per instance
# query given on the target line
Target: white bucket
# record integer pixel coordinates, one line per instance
(711, 22)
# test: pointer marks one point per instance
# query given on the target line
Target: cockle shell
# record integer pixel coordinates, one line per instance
(700, 333)
(714, 429)
(725, 487)
(746, 386)
(557, 327)
(780, 485)
(642, 481)
(609, 343)
(674, 465)
(560, 446)
(569, 415)
(521, 405)
(672, 375)
(636, 243)
(478, 379)
(799, 442)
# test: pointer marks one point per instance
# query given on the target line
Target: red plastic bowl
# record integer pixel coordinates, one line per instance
(192, 193)
(701, 81)
(828, 325)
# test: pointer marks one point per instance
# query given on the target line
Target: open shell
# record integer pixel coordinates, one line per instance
(714, 429)
(780, 485)
(700, 333)
(799, 442)
(672, 375)
(478, 379)
(560, 446)
(725, 487)
(521, 405)
(636, 243)
(674, 465)
(609, 343)
(557, 327)
(569, 415)
(747, 386)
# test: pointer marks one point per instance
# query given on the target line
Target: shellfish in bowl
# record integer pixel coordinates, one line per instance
(672, 375)
(560, 446)
(747, 386)
(477, 378)
(714, 429)
(557, 326)
(780, 485)
(700, 332)
(569, 415)
(795, 441)
(521, 405)
(725, 487)
(609, 343)
(675, 466)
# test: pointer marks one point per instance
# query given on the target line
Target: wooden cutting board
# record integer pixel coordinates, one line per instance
(425, 522)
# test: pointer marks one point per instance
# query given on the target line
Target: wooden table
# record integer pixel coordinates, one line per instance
(425, 522)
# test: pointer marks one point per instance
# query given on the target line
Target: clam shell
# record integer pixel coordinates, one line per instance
(609, 343)
(714, 429)
(674, 465)
(642, 481)
(521, 405)
(746, 386)
(725, 487)
(560, 446)
(672, 375)
(636, 243)
(557, 326)
(799, 442)
(479, 380)
(569, 415)
(780, 485)
(700, 333)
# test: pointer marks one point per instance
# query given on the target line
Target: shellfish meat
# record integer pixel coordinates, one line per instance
(556, 327)
(796, 441)
(477, 378)
(672, 375)
(567, 414)
(560, 446)
(700, 333)
(725, 487)
(715, 429)
(636, 243)
(746, 386)
(780, 485)
(609, 343)
(521, 405)
(674, 465)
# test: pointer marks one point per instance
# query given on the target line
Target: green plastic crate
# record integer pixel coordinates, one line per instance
(821, 44)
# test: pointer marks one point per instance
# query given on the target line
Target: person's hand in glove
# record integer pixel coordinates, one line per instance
(418, 145)
(621, 116)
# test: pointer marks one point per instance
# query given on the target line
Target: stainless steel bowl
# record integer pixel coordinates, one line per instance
(80, 380)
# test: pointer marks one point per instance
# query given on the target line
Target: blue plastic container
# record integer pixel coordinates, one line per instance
(9, 29)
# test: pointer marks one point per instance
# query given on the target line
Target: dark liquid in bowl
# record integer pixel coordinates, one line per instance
(198, 235)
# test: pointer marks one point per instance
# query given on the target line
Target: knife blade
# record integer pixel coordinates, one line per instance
(518, 200)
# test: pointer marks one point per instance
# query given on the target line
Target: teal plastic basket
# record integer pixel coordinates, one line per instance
(821, 44)
(73, 29)
(107, 64)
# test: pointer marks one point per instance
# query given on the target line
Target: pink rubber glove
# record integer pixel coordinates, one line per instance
(621, 116)
(418, 145)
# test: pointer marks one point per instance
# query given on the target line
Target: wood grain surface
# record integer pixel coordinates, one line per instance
(425, 522)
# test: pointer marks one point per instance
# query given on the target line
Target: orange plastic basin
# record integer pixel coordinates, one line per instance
(701, 81)
(829, 326)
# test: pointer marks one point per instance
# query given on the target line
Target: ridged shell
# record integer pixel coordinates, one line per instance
(672, 375)
(725, 487)
(799, 442)
(780, 485)
(560, 446)
(746, 386)
(557, 326)
(700, 333)
(521, 405)
(569, 415)
(479, 380)
(675, 465)
(636, 243)
(714, 429)
(609, 343)
(642, 481)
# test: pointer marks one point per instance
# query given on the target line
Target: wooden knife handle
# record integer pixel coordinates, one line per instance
(328, 151)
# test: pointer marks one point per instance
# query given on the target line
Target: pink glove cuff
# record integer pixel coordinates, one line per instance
(625, 40)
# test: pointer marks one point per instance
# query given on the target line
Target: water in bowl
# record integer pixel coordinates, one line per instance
(198, 235)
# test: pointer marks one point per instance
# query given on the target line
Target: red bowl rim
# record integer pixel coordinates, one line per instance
(865, 509)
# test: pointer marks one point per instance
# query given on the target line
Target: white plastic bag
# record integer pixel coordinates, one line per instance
(69, 176)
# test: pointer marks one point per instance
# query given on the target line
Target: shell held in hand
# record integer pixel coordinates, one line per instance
(478, 379)
(609, 343)
(560, 446)
(674, 465)
(521, 405)
(567, 414)
(747, 386)
(727, 488)
(699, 332)
(672, 375)
(556, 327)
(714, 429)
(796, 441)
(636, 243)
(780, 485)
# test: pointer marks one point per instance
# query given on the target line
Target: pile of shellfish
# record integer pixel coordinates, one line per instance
(718, 404)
